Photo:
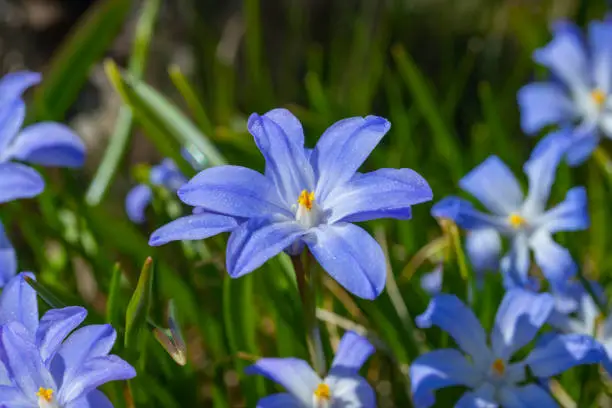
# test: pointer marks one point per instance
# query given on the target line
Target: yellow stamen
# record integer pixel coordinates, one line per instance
(323, 392)
(45, 393)
(499, 367)
(516, 221)
(306, 199)
(598, 96)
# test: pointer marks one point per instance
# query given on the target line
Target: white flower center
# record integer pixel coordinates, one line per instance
(308, 212)
(322, 396)
(45, 398)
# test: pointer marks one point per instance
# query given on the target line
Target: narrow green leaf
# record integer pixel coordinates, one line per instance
(191, 98)
(138, 308)
(114, 294)
(45, 294)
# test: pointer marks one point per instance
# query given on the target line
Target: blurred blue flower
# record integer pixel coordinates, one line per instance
(45, 143)
(578, 96)
(306, 197)
(490, 373)
(8, 258)
(43, 365)
(343, 386)
(431, 282)
(524, 220)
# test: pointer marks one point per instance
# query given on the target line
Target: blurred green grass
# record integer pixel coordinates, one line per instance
(444, 73)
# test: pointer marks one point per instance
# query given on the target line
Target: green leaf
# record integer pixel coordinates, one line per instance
(138, 308)
(45, 294)
(114, 294)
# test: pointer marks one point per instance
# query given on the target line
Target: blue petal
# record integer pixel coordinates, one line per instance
(8, 258)
(483, 247)
(18, 303)
(464, 215)
(530, 395)
(256, 241)
(438, 369)
(564, 352)
(540, 170)
(289, 123)
(555, 261)
(233, 190)
(55, 326)
(352, 353)
(93, 373)
(351, 391)
(167, 174)
(95, 399)
(351, 256)
(295, 375)
(286, 162)
(494, 185)
(519, 317)
(19, 181)
(48, 144)
(380, 194)
(193, 227)
(14, 396)
(600, 39)
(136, 202)
(14, 84)
(343, 148)
(515, 264)
(12, 116)
(565, 57)
(431, 282)
(451, 315)
(483, 397)
(283, 400)
(543, 104)
(583, 141)
(571, 214)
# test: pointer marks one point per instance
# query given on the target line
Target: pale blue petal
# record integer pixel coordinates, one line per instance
(380, 194)
(168, 175)
(494, 185)
(515, 264)
(531, 395)
(14, 84)
(483, 397)
(283, 400)
(137, 201)
(543, 104)
(12, 116)
(233, 190)
(8, 258)
(431, 282)
(438, 369)
(572, 214)
(19, 181)
(600, 39)
(564, 352)
(452, 316)
(55, 326)
(343, 148)
(351, 256)
(540, 170)
(554, 260)
(464, 214)
(352, 353)
(584, 139)
(289, 123)
(351, 391)
(18, 303)
(286, 162)
(95, 399)
(483, 247)
(256, 241)
(295, 375)
(520, 316)
(193, 227)
(48, 144)
(15, 397)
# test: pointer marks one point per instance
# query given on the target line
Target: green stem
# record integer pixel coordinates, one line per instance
(306, 282)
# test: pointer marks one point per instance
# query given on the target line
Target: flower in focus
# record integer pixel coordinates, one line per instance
(305, 198)
(42, 365)
(343, 386)
(524, 220)
(578, 97)
(44, 143)
(490, 373)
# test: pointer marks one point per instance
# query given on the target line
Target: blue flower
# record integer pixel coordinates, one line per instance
(165, 175)
(524, 220)
(343, 387)
(431, 282)
(8, 258)
(45, 143)
(43, 365)
(491, 374)
(306, 197)
(578, 97)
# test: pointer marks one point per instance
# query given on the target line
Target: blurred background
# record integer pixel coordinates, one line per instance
(445, 72)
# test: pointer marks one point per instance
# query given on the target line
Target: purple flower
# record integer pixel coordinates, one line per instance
(43, 365)
(8, 258)
(45, 143)
(578, 97)
(491, 374)
(305, 198)
(342, 388)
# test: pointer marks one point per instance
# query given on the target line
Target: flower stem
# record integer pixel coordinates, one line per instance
(306, 282)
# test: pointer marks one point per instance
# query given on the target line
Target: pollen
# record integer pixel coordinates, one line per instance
(323, 392)
(306, 199)
(516, 221)
(45, 394)
(598, 96)
(499, 367)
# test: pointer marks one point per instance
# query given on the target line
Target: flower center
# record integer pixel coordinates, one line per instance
(306, 199)
(498, 367)
(45, 394)
(598, 96)
(517, 221)
(307, 213)
(322, 393)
